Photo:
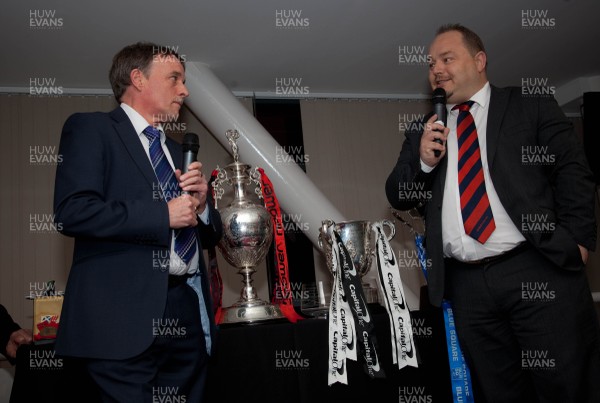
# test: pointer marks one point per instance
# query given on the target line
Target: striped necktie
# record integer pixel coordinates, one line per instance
(185, 238)
(477, 216)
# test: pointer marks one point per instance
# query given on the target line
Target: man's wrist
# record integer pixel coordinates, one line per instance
(204, 215)
(425, 168)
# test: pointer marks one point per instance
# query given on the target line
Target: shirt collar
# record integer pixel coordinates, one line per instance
(481, 97)
(139, 123)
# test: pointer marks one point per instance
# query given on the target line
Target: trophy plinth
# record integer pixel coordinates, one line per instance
(247, 236)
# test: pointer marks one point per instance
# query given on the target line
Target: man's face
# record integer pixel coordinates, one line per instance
(454, 68)
(164, 89)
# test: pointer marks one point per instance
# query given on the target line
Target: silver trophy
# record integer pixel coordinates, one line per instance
(359, 239)
(247, 236)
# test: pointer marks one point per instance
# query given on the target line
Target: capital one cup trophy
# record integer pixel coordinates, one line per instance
(358, 238)
(247, 236)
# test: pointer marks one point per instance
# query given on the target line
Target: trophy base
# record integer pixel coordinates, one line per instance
(251, 312)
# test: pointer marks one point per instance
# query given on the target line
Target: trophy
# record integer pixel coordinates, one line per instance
(358, 238)
(247, 236)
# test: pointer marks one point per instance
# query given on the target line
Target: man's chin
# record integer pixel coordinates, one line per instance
(175, 112)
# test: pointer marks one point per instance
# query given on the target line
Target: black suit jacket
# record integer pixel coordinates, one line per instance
(563, 190)
(105, 197)
(7, 327)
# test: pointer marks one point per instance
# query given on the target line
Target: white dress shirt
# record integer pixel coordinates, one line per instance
(456, 243)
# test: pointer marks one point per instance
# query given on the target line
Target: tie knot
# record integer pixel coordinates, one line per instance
(464, 107)
(152, 133)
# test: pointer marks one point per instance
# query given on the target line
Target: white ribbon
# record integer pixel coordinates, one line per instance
(342, 332)
(390, 283)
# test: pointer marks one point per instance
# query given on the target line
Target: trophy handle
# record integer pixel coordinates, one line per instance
(218, 184)
(255, 178)
(392, 228)
(324, 231)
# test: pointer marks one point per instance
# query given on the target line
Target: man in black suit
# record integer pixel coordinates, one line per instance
(11, 335)
(509, 213)
(136, 307)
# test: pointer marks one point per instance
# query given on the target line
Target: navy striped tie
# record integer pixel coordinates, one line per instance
(474, 203)
(185, 238)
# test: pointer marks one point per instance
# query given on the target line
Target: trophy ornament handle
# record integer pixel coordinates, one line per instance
(232, 136)
(217, 185)
(255, 178)
(324, 232)
(412, 219)
(391, 226)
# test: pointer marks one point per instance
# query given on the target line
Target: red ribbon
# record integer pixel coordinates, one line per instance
(216, 283)
(282, 294)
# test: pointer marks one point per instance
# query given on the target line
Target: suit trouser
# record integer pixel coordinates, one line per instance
(173, 368)
(528, 329)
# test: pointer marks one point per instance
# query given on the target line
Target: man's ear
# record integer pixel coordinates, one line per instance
(481, 61)
(138, 79)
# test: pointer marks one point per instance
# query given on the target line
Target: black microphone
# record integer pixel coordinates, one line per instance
(439, 108)
(190, 148)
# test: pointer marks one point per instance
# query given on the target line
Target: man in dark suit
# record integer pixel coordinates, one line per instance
(11, 335)
(137, 307)
(509, 211)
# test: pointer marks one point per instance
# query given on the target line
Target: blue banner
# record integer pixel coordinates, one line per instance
(460, 377)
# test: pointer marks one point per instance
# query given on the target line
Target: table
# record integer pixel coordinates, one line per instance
(285, 362)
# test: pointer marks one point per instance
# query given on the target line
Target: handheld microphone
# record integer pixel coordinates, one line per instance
(439, 108)
(190, 148)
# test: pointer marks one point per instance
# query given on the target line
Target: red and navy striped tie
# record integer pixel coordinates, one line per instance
(185, 238)
(478, 219)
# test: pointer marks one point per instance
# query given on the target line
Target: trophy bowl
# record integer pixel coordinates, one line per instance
(247, 233)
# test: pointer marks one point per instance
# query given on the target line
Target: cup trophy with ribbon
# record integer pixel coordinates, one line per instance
(247, 236)
(349, 248)
(358, 237)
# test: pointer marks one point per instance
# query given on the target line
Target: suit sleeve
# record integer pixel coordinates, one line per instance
(407, 183)
(83, 206)
(210, 234)
(570, 176)
(7, 327)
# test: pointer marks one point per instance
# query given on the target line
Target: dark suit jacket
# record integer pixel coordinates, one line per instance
(105, 198)
(564, 190)
(7, 327)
